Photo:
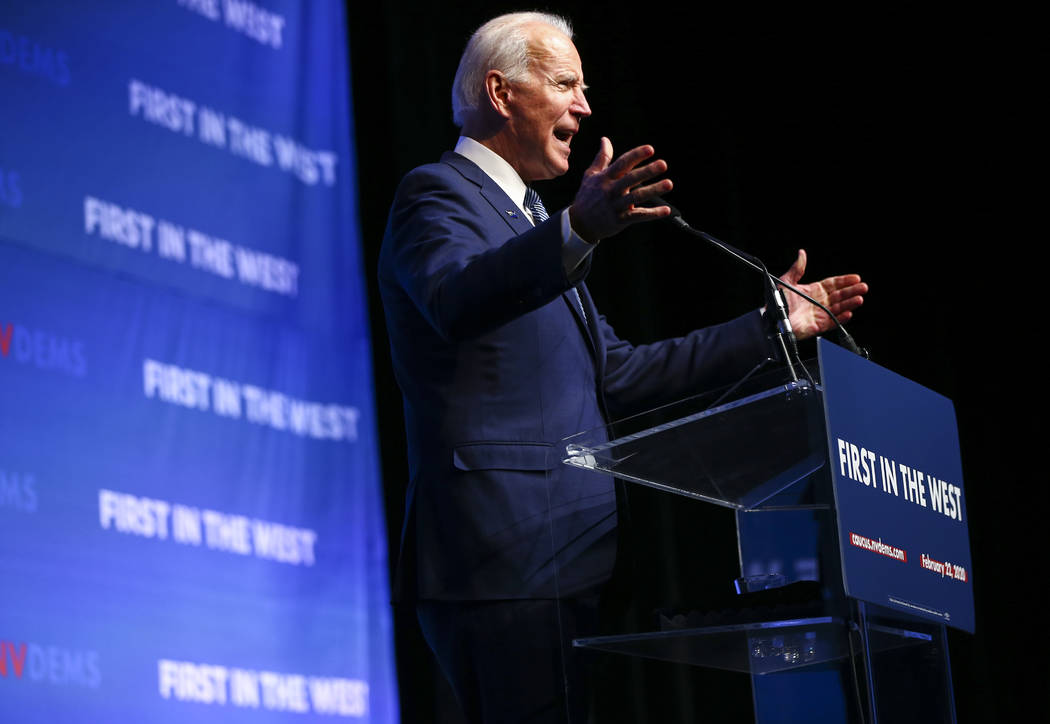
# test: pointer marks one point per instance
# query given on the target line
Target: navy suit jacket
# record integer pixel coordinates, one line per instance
(496, 364)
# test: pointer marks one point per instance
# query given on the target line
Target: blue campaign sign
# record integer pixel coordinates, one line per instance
(893, 450)
(190, 500)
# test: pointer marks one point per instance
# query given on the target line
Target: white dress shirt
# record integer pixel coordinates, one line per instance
(574, 250)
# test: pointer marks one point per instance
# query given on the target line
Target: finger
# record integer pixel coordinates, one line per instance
(642, 195)
(854, 290)
(602, 158)
(839, 282)
(629, 160)
(846, 305)
(643, 208)
(792, 275)
(638, 176)
(645, 213)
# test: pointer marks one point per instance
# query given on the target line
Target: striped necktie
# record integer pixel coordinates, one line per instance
(534, 204)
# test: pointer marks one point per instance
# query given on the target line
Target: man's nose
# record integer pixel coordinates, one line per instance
(580, 106)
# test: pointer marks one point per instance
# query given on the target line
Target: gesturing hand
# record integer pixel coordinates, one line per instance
(841, 294)
(612, 192)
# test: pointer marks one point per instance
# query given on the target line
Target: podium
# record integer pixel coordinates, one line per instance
(851, 530)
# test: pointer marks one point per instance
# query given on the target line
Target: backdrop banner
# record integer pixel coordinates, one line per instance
(191, 517)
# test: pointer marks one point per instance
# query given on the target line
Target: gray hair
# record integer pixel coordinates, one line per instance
(499, 44)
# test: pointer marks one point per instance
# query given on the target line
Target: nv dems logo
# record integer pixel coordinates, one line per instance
(47, 664)
(42, 349)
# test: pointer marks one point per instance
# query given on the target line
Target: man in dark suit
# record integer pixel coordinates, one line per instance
(500, 352)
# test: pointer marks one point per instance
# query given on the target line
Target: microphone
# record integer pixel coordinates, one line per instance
(676, 215)
(774, 298)
(775, 305)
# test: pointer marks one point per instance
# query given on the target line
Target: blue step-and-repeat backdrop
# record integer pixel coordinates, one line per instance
(191, 523)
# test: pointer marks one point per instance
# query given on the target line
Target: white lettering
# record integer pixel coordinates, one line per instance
(343, 697)
(212, 255)
(186, 525)
(207, 8)
(124, 226)
(258, 24)
(268, 272)
(186, 681)
(283, 692)
(130, 514)
(157, 106)
(228, 533)
(175, 385)
(260, 406)
(283, 543)
(217, 129)
(249, 142)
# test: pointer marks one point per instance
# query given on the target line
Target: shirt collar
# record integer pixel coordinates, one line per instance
(495, 167)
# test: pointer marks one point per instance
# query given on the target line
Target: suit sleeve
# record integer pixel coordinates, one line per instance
(463, 266)
(646, 376)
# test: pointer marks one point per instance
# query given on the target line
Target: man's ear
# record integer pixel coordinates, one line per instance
(498, 91)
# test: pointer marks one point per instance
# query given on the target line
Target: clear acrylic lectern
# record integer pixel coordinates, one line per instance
(761, 449)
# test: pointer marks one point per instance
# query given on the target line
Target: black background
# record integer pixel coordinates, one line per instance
(894, 145)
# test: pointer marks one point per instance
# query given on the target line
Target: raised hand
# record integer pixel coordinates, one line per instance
(612, 193)
(841, 294)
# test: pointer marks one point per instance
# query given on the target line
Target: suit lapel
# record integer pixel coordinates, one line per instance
(507, 209)
(509, 212)
(501, 203)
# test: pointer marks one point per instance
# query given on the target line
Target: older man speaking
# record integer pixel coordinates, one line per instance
(500, 352)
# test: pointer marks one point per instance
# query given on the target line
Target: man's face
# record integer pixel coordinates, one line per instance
(546, 109)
